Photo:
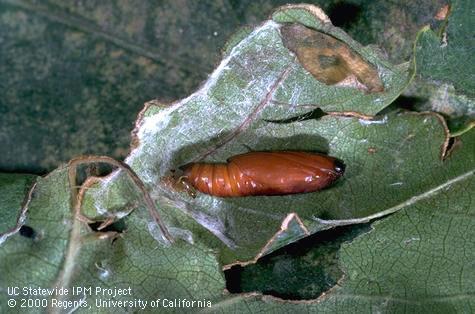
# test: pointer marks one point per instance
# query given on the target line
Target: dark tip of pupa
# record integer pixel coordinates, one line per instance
(339, 167)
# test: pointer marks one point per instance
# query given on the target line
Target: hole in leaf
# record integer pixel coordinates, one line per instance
(300, 271)
(452, 145)
(93, 169)
(27, 232)
(406, 103)
(314, 114)
(118, 226)
(409, 102)
(344, 14)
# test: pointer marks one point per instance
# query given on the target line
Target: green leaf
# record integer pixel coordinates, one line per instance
(386, 268)
(67, 253)
(301, 90)
(448, 56)
(247, 89)
(394, 166)
(458, 109)
(444, 63)
(419, 260)
(13, 188)
(386, 162)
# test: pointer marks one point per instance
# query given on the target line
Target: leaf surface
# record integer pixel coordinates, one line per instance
(445, 61)
(418, 260)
